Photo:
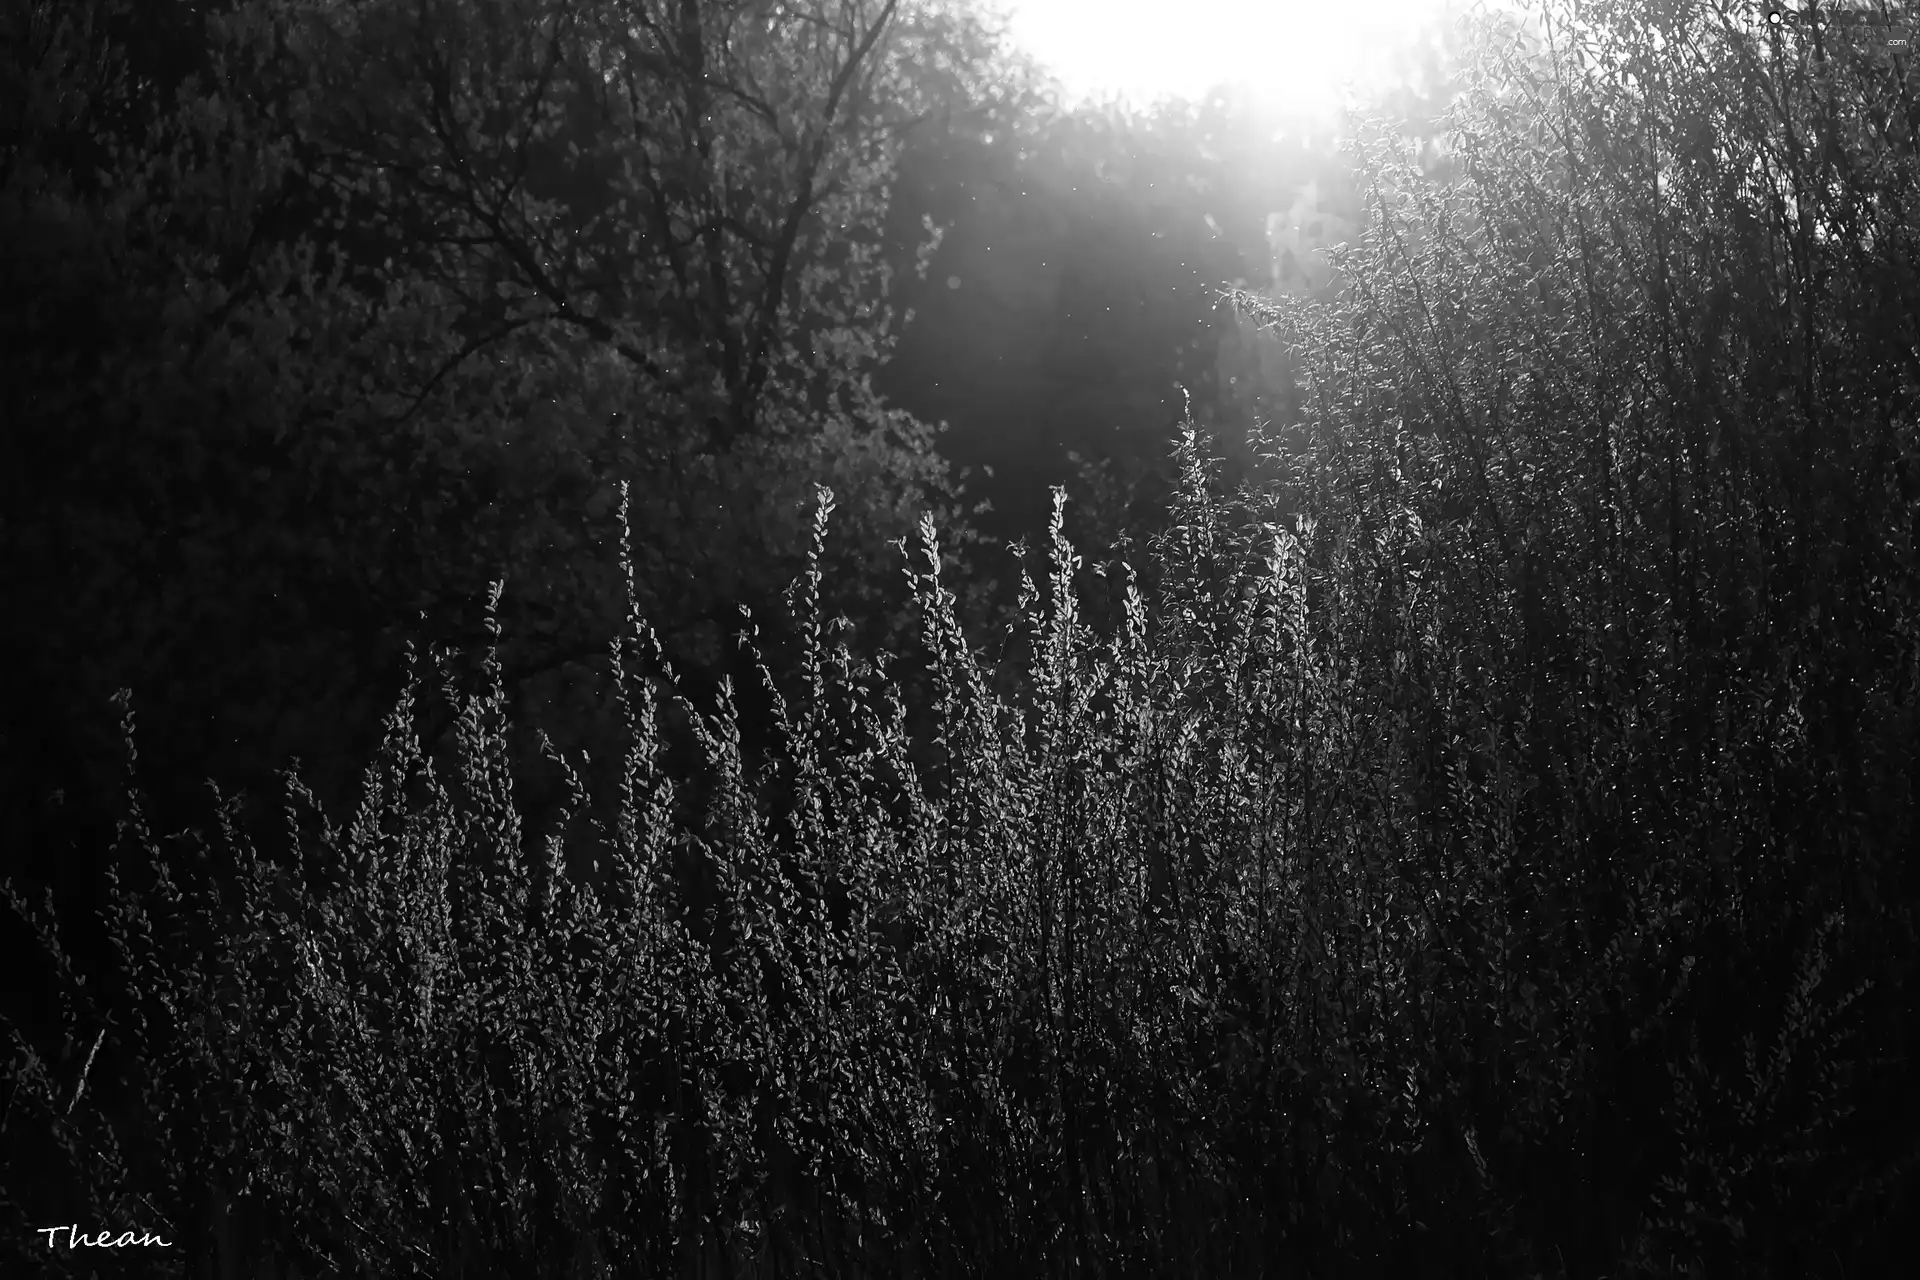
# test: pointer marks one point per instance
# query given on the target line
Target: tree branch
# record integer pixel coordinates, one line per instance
(797, 211)
(471, 347)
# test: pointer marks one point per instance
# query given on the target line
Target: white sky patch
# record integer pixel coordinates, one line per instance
(1297, 55)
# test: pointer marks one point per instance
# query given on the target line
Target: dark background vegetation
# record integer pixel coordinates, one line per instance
(293, 372)
(319, 317)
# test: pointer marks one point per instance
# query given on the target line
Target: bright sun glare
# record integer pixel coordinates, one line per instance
(1297, 55)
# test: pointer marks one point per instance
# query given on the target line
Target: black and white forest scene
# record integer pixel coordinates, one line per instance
(928, 639)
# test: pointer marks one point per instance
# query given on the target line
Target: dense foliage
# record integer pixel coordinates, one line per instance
(321, 315)
(1477, 843)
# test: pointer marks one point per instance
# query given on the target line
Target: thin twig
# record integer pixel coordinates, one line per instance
(84, 1069)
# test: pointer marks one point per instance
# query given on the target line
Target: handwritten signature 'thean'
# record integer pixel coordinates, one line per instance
(105, 1240)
